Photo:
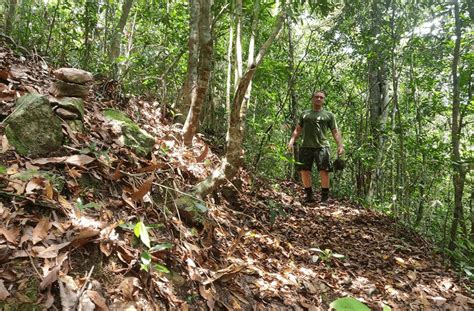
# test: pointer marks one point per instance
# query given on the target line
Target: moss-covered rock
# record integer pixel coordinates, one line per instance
(77, 126)
(132, 135)
(33, 129)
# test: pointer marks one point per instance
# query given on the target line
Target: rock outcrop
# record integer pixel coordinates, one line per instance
(33, 128)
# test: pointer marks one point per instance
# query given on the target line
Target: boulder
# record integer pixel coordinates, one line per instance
(65, 89)
(73, 75)
(131, 134)
(33, 128)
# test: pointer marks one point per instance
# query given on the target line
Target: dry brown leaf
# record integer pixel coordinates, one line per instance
(48, 190)
(48, 252)
(10, 234)
(98, 300)
(50, 278)
(4, 294)
(75, 160)
(35, 183)
(68, 292)
(129, 287)
(116, 176)
(204, 153)
(41, 230)
(106, 249)
(151, 168)
(140, 193)
(5, 144)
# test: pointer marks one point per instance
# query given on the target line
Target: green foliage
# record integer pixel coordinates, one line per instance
(81, 206)
(348, 304)
(141, 232)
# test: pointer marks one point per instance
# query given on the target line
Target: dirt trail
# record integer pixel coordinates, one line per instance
(299, 259)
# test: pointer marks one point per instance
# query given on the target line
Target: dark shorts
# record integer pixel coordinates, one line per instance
(319, 155)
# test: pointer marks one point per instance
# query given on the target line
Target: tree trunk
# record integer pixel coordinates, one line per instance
(232, 159)
(459, 172)
(10, 17)
(190, 85)
(238, 44)
(114, 51)
(229, 68)
(378, 99)
(203, 72)
(250, 60)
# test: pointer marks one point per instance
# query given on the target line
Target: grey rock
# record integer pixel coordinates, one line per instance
(66, 89)
(33, 128)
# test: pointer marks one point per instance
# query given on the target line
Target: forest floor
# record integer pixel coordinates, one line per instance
(69, 224)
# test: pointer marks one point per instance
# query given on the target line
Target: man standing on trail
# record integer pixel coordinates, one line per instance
(314, 124)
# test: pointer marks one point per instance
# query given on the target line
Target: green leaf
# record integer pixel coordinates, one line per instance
(3, 169)
(201, 207)
(339, 256)
(142, 233)
(161, 268)
(386, 308)
(348, 304)
(145, 258)
(161, 247)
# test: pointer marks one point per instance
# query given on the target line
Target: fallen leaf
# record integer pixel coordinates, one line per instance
(41, 230)
(4, 294)
(140, 193)
(11, 235)
(204, 153)
(98, 300)
(76, 160)
(48, 252)
(67, 292)
(49, 190)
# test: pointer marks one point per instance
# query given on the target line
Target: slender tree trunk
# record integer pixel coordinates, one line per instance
(10, 17)
(51, 27)
(229, 68)
(232, 159)
(291, 89)
(459, 172)
(203, 74)
(190, 85)
(238, 43)
(114, 51)
(250, 60)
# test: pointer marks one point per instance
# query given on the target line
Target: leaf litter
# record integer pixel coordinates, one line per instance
(67, 239)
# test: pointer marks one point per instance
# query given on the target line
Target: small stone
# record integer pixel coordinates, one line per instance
(66, 114)
(67, 89)
(72, 104)
(73, 75)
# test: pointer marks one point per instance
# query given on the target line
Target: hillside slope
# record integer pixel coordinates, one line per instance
(70, 221)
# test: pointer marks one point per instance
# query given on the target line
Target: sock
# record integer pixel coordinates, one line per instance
(324, 194)
(309, 192)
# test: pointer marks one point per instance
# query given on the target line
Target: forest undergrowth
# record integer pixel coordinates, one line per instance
(97, 227)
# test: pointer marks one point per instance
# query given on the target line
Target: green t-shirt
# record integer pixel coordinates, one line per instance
(315, 126)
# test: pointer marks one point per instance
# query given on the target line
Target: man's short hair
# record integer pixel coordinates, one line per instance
(319, 91)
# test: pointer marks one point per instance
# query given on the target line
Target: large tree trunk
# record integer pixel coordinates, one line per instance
(232, 159)
(459, 172)
(10, 16)
(203, 72)
(378, 99)
(114, 51)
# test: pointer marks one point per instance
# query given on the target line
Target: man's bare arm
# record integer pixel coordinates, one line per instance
(338, 138)
(294, 137)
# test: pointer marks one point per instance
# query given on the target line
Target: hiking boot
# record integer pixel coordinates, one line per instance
(309, 199)
(324, 201)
